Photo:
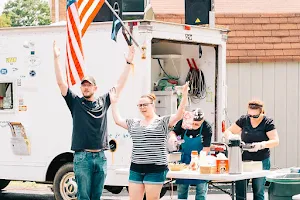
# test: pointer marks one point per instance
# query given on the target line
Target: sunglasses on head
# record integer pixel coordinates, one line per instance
(255, 106)
(143, 105)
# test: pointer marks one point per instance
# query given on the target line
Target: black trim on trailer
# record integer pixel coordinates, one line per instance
(216, 92)
(158, 40)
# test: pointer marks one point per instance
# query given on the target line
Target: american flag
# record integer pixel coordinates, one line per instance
(79, 16)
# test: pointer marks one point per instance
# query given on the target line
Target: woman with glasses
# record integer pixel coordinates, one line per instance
(149, 165)
(259, 130)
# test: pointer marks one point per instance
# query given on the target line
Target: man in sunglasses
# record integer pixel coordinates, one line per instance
(196, 134)
(259, 131)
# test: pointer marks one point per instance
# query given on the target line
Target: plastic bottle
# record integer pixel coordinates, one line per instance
(222, 164)
(194, 161)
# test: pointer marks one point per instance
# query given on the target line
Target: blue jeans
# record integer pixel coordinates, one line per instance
(90, 172)
(201, 191)
(258, 185)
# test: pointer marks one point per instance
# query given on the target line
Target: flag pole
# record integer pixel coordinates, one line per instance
(117, 16)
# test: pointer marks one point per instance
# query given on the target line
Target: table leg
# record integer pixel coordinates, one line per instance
(232, 190)
(245, 189)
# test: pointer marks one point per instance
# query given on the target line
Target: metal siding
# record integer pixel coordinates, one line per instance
(232, 92)
(256, 80)
(269, 96)
(244, 87)
(280, 112)
(292, 113)
(278, 85)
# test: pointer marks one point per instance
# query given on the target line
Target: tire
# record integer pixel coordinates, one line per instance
(3, 183)
(114, 189)
(64, 184)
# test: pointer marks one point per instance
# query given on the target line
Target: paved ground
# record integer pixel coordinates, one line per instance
(33, 191)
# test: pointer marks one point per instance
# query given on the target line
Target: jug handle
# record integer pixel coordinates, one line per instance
(222, 143)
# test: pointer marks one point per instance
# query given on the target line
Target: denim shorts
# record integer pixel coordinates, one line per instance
(147, 178)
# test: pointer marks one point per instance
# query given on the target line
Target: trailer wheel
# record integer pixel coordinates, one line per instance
(64, 185)
(3, 183)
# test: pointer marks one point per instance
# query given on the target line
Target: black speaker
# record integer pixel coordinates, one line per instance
(197, 11)
(105, 14)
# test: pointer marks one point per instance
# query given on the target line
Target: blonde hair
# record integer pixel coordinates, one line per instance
(150, 96)
(257, 104)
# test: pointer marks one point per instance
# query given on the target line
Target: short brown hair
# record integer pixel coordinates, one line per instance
(256, 104)
(150, 96)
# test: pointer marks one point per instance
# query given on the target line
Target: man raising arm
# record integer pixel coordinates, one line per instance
(89, 135)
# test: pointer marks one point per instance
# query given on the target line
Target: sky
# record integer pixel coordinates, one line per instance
(2, 2)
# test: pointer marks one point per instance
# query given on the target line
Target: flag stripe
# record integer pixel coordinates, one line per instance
(70, 74)
(67, 71)
(72, 67)
(85, 8)
(75, 30)
(74, 50)
(79, 3)
(90, 15)
(82, 5)
(74, 35)
(73, 54)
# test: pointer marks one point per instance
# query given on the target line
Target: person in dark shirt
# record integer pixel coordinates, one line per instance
(89, 136)
(197, 138)
(259, 130)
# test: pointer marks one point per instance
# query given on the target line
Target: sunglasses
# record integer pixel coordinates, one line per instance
(143, 105)
(254, 116)
(255, 106)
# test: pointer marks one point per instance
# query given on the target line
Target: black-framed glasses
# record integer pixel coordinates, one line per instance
(143, 105)
(254, 116)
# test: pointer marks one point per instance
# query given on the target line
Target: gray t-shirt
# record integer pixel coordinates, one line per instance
(89, 121)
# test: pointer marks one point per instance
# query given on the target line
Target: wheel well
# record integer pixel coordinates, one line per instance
(56, 163)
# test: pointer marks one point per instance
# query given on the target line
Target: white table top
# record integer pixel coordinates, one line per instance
(186, 174)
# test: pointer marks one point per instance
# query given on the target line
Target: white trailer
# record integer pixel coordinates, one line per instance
(35, 123)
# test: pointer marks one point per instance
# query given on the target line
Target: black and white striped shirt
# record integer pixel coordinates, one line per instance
(149, 142)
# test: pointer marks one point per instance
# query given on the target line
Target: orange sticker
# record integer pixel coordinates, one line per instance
(22, 108)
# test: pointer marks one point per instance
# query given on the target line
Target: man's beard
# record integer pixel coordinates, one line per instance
(88, 96)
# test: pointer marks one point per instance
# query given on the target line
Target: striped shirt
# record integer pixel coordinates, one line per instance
(149, 142)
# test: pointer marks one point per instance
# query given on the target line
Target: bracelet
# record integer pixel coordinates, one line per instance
(129, 63)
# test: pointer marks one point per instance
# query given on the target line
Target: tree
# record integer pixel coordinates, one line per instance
(5, 21)
(27, 12)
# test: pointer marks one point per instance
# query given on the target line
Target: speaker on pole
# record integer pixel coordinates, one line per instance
(197, 11)
(105, 13)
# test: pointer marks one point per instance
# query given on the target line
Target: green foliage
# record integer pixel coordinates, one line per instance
(4, 21)
(28, 12)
